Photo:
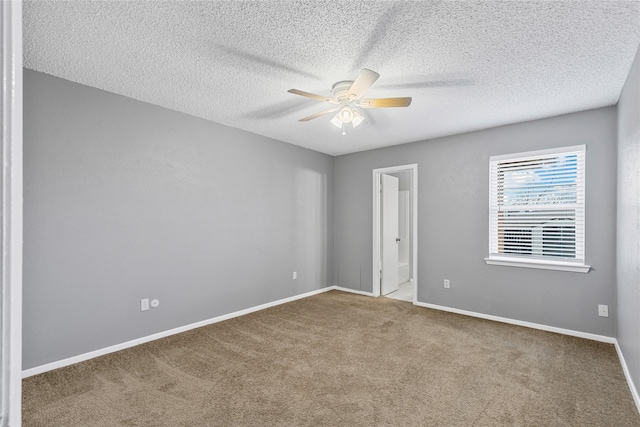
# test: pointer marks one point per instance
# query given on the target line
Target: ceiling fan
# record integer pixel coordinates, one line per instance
(347, 96)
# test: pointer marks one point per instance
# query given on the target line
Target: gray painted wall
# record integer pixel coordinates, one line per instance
(453, 217)
(628, 260)
(124, 200)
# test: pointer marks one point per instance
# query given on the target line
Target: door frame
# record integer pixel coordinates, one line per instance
(11, 217)
(413, 197)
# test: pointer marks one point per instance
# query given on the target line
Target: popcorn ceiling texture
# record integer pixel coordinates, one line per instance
(468, 65)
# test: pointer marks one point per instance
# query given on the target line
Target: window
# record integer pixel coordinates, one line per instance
(536, 209)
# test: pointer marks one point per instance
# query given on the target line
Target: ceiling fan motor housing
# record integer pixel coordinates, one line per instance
(340, 90)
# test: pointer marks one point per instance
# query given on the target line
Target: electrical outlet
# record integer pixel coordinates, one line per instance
(447, 283)
(144, 304)
(295, 275)
(603, 310)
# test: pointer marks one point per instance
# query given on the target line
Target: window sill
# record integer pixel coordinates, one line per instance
(541, 264)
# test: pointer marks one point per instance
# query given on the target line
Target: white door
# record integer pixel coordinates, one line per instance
(389, 246)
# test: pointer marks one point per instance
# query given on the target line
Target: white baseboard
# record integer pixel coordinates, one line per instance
(96, 353)
(90, 355)
(627, 375)
(594, 337)
(353, 291)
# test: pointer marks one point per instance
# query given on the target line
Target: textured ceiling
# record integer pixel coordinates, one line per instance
(468, 65)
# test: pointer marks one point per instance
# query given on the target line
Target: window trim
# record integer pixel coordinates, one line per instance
(575, 267)
(578, 266)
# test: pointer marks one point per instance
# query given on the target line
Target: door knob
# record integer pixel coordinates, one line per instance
(397, 239)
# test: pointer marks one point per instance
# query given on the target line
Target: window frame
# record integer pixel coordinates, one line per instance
(531, 261)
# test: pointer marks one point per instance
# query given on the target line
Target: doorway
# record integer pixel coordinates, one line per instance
(395, 248)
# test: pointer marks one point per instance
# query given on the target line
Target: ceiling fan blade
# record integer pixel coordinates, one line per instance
(316, 115)
(312, 96)
(363, 82)
(385, 102)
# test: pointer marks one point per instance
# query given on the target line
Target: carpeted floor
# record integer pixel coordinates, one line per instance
(337, 359)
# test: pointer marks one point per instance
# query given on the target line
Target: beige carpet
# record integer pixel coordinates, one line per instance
(338, 359)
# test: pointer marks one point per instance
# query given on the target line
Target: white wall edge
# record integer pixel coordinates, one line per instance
(579, 334)
(627, 375)
(353, 291)
(11, 223)
(111, 349)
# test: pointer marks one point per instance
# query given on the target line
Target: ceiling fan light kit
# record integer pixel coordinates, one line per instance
(346, 115)
(358, 118)
(346, 95)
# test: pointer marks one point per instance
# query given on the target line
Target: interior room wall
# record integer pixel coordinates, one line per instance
(453, 221)
(124, 200)
(404, 180)
(628, 241)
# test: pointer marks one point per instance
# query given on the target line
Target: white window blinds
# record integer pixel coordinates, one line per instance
(536, 205)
